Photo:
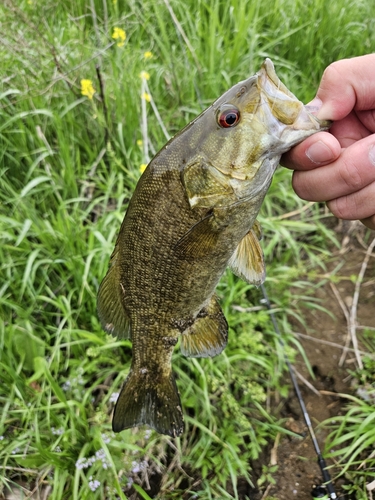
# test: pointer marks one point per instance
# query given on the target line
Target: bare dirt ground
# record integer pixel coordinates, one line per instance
(324, 341)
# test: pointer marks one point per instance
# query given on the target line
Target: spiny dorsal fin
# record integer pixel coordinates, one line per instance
(247, 262)
(110, 309)
(208, 335)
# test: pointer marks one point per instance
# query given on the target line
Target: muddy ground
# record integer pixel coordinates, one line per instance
(296, 458)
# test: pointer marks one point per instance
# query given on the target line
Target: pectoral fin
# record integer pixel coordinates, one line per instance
(198, 242)
(110, 302)
(247, 262)
(257, 228)
(208, 335)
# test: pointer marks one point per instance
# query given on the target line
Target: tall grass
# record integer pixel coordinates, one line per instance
(68, 166)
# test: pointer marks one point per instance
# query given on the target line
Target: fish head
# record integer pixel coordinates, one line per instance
(245, 132)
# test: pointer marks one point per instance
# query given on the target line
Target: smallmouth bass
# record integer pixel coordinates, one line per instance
(192, 214)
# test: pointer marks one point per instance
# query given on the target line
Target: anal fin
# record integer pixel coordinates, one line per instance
(247, 262)
(208, 335)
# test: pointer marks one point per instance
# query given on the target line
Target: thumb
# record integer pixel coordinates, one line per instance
(346, 85)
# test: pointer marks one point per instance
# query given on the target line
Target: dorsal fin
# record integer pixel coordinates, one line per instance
(247, 262)
(208, 335)
(110, 302)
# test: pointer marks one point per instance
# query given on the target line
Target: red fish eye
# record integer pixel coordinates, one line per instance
(229, 117)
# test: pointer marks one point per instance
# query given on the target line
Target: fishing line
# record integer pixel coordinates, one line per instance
(321, 462)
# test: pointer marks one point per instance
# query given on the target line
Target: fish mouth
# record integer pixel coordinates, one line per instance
(308, 121)
(323, 124)
(268, 74)
(284, 105)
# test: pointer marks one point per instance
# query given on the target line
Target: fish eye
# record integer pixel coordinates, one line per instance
(228, 117)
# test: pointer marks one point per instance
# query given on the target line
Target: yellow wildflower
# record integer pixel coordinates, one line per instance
(147, 55)
(139, 142)
(142, 167)
(146, 97)
(120, 35)
(87, 89)
(145, 75)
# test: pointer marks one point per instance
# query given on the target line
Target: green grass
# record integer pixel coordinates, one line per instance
(68, 166)
(351, 440)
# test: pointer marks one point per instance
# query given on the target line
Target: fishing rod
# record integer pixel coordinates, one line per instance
(318, 492)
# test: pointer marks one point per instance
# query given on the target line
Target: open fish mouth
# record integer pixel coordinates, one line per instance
(284, 104)
(270, 80)
(286, 117)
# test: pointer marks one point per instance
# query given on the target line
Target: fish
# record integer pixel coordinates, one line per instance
(192, 214)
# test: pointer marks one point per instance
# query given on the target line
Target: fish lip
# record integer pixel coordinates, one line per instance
(323, 124)
(320, 124)
(268, 69)
(268, 74)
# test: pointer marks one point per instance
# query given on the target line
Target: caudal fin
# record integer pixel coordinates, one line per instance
(146, 399)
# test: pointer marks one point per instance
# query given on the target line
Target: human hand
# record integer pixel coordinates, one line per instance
(339, 166)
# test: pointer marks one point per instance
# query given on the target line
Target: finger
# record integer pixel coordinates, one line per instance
(347, 84)
(317, 150)
(358, 205)
(349, 130)
(367, 117)
(352, 171)
(369, 222)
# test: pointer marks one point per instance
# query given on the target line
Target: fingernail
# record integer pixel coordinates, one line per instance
(371, 155)
(314, 106)
(319, 153)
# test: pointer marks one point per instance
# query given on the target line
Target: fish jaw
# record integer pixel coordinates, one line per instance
(287, 117)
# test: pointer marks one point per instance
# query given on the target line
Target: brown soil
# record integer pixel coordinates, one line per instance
(298, 470)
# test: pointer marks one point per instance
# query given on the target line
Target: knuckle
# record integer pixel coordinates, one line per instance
(343, 207)
(351, 175)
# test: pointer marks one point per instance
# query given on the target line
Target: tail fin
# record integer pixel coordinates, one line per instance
(146, 399)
